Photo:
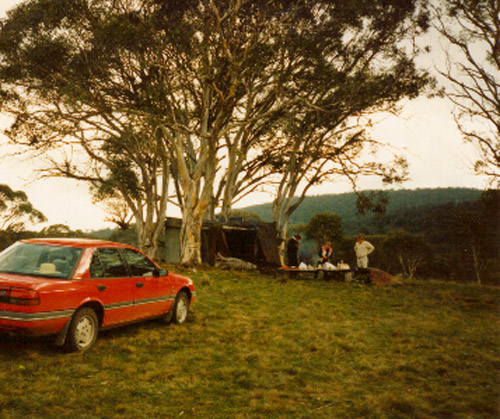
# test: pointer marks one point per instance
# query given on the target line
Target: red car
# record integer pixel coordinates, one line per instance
(71, 288)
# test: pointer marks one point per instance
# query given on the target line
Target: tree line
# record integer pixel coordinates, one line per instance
(354, 222)
(197, 103)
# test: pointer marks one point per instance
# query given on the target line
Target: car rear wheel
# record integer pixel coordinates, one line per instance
(179, 310)
(83, 329)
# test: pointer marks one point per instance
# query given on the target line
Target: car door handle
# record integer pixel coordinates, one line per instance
(101, 287)
(139, 284)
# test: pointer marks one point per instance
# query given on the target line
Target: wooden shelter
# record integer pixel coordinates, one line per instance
(252, 242)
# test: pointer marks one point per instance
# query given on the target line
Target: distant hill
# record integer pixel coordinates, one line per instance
(354, 223)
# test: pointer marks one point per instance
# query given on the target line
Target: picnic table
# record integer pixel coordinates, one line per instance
(342, 274)
(296, 272)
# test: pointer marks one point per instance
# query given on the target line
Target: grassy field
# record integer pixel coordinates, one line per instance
(257, 346)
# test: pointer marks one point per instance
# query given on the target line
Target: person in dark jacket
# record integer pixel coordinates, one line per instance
(292, 250)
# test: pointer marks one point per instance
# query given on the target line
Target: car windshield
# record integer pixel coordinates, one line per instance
(44, 260)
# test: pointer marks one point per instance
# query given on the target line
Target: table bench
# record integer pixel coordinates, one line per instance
(295, 273)
(328, 274)
(345, 275)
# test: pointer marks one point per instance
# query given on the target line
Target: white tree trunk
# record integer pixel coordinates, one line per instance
(194, 207)
(191, 239)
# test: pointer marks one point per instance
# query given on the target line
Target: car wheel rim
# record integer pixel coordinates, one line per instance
(182, 309)
(84, 333)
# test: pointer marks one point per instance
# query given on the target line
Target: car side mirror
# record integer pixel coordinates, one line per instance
(161, 272)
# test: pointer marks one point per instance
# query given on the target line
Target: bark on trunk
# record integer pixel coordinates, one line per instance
(191, 238)
(145, 241)
(195, 206)
(150, 215)
(281, 221)
(149, 235)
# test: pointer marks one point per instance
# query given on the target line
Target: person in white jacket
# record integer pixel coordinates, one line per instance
(363, 249)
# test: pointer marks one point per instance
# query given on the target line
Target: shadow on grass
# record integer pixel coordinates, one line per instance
(18, 347)
(134, 328)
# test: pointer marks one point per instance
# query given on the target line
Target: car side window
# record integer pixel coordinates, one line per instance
(107, 263)
(139, 264)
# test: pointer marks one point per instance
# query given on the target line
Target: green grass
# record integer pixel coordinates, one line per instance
(256, 346)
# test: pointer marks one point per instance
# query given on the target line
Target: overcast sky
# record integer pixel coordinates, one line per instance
(425, 132)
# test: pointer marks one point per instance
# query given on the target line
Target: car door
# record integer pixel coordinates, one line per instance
(115, 287)
(152, 296)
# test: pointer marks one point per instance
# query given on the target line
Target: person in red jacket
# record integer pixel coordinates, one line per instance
(325, 252)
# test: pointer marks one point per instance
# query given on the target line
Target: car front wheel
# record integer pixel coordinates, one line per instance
(179, 310)
(82, 332)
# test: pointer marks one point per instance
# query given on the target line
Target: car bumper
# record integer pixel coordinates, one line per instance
(34, 324)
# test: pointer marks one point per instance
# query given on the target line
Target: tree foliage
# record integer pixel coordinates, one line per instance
(16, 212)
(68, 75)
(357, 63)
(407, 252)
(325, 227)
(472, 28)
(198, 90)
(113, 204)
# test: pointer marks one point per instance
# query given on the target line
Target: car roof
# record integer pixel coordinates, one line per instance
(75, 242)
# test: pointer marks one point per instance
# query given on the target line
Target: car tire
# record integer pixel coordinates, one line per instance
(179, 310)
(83, 329)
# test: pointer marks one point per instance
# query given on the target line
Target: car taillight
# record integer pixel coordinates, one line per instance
(23, 297)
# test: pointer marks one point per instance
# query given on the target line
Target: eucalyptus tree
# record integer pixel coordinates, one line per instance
(143, 89)
(16, 211)
(472, 28)
(360, 60)
(194, 87)
(229, 73)
(334, 62)
(302, 161)
(69, 72)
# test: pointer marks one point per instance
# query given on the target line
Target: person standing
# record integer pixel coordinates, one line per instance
(325, 253)
(363, 249)
(292, 250)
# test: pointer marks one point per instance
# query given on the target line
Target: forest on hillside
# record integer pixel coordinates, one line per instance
(353, 222)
